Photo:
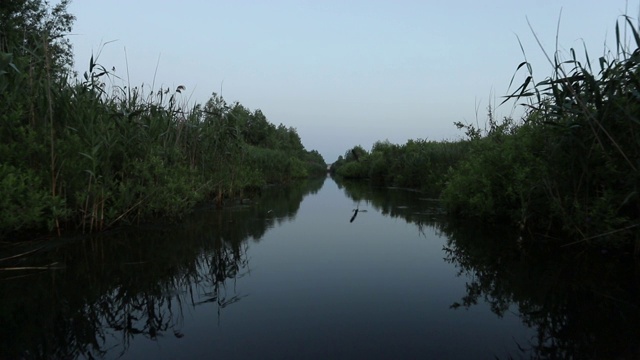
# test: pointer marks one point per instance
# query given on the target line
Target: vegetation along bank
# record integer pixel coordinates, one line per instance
(567, 173)
(76, 153)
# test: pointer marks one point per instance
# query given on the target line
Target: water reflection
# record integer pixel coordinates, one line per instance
(381, 292)
(582, 305)
(131, 283)
(411, 206)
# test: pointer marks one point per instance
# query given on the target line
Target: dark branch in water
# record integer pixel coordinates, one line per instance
(355, 213)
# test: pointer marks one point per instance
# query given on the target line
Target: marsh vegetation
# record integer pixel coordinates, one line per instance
(567, 173)
(89, 152)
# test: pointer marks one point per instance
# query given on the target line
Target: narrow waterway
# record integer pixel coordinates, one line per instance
(299, 274)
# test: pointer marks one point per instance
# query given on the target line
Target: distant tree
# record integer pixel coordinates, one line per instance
(295, 143)
(257, 129)
(357, 153)
(35, 34)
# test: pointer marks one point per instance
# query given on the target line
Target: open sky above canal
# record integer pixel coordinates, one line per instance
(343, 72)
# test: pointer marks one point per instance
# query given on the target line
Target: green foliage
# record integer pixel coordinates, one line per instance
(569, 168)
(81, 154)
(590, 172)
(418, 164)
(353, 170)
(314, 163)
(35, 35)
(274, 166)
(26, 204)
(354, 164)
(498, 180)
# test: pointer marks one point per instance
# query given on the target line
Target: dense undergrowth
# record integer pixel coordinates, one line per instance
(87, 154)
(418, 164)
(568, 171)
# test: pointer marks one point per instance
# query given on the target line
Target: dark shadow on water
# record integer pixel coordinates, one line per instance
(583, 305)
(108, 289)
(92, 297)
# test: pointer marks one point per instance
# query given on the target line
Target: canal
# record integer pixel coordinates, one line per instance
(298, 273)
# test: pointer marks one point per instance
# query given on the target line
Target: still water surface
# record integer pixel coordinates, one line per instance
(286, 277)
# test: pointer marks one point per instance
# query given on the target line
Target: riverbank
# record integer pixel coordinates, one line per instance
(91, 152)
(566, 172)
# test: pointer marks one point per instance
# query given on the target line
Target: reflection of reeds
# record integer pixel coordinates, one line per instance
(129, 284)
(395, 202)
(125, 294)
(18, 265)
(152, 312)
(578, 305)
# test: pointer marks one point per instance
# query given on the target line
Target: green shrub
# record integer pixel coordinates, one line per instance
(26, 204)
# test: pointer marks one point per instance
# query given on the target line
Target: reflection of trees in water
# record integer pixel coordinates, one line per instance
(106, 297)
(582, 306)
(412, 206)
(135, 283)
(159, 311)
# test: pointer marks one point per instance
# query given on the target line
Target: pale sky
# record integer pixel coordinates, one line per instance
(342, 73)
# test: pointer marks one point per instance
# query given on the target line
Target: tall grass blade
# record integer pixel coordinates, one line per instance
(636, 36)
